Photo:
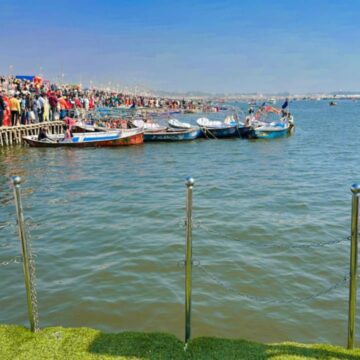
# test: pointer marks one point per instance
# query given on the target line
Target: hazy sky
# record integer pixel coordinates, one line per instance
(215, 46)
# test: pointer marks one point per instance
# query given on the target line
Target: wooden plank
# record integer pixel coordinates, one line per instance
(11, 135)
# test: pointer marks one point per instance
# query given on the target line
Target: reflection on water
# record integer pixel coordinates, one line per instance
(105, 225)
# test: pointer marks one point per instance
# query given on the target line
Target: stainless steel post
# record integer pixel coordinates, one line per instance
(355, 189)
(188, 261)
(25, 253)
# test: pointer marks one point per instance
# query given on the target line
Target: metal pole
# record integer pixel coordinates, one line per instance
(25, 252)
(188, 261)
(355, 189)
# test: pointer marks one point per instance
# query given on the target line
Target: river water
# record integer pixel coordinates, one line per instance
(269, 218)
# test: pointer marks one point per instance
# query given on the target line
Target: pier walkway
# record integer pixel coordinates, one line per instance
(12, 135)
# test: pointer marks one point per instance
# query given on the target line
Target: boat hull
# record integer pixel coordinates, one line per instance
(172, 135)
(219, 133)
(82, 142)
(247, 132)
(269, 134)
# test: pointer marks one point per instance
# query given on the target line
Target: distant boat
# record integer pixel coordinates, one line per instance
(172, 135)
(217, 129)
(97, 139)
(272, 101)
(332, 103)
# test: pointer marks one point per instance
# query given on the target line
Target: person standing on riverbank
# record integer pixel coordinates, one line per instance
(35, 109)
(41, 108)
(23, 110)
(53, 101)
(63, 107)
(46, 108)
(2, 109)
(15, 110)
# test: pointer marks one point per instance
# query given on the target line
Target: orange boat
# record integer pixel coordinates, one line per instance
(99, 139)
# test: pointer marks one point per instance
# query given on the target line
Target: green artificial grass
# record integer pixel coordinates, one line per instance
(18, 343)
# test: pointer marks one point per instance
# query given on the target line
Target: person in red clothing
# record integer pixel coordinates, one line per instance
(70, 123)
(2, 109)
(78, 103)
(7, 112)
(53, 101)
(69, 105)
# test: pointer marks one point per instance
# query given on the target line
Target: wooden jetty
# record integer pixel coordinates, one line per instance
(12, 135)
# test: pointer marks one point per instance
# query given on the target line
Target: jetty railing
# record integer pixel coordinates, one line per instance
(348, 278)
(13, 135)
(188, 259)
(355, 189)
(27, 259)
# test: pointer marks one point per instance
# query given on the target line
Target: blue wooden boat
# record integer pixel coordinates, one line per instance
(257, 129)
(172, 135)
(272, 131)
(247, 132)
(97, 139)
(217, 129)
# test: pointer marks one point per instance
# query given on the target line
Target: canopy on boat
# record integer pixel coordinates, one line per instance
(148, 126)
(205, 122)
(25, 77)
(178, 124)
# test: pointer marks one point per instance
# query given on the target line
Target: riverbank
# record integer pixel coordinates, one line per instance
(17, 342)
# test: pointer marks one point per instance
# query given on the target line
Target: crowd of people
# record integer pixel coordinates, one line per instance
(25, 100)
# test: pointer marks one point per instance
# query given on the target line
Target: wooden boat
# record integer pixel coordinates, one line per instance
(260, 129)
(247, 132)
(172, 135)
(272, 131)
(97, 139)
(217, 129)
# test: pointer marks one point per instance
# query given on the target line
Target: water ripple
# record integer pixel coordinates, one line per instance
(108, 227)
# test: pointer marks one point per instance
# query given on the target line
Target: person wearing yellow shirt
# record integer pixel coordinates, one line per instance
(15, 109)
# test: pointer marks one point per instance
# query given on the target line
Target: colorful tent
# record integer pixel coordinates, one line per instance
(25, 77)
